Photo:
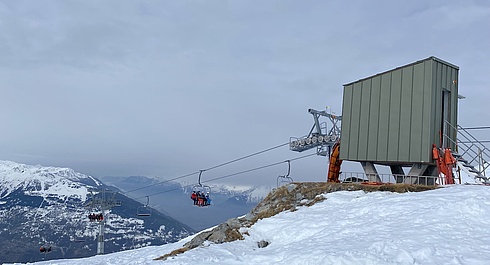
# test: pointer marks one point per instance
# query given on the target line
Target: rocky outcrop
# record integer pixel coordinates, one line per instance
(225, 232)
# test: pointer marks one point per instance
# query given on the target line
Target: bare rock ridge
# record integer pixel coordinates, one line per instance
(287, 197)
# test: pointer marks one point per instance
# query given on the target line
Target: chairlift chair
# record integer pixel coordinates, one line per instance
(286, 179)
(202, 189)
(43, 249)
(96, 217)
(144, 211)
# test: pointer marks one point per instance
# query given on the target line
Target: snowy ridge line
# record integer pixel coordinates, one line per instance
(98, 183)
(44, 181)
(254, 193)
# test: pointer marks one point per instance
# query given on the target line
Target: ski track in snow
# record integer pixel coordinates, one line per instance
(444, 226)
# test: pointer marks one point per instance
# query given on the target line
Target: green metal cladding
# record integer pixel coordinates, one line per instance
(394, 117)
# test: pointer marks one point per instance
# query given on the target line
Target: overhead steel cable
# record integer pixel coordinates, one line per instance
(161, 182)
(476, 128)
(210, 168)
(232, 175)
(258, 168)
(247, 156)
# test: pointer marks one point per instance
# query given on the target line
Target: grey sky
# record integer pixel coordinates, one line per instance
(165, 88)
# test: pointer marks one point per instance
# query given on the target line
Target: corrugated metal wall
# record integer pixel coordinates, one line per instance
(396, 116)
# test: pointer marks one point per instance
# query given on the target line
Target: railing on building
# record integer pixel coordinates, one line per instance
(355, 177)
(473, 150)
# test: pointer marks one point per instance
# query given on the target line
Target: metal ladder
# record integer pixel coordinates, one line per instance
(476, 153)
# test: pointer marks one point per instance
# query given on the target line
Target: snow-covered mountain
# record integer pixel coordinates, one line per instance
(250, 194)
(47, 206)
(443, 226)
(44, 182)
(173, 198)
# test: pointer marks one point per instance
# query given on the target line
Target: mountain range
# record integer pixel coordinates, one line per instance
(49, 207)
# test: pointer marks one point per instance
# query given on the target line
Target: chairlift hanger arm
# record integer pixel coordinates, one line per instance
(199, 179)
(289, 167)
(285, 179)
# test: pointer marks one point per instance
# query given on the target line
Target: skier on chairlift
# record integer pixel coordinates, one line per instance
(208, 200)
(204, 199)
(43, 249)
(200, 198)
(95, 217)
(194, 197)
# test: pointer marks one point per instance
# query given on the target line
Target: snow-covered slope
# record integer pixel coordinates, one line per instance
(46, 206)
(443, 226)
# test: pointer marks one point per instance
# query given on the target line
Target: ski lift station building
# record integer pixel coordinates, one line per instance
(393, 118)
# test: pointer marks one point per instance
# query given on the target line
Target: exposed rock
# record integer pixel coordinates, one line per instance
(262, 244)
(225, 232)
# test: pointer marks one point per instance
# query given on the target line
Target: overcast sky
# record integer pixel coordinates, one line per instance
(165, 88)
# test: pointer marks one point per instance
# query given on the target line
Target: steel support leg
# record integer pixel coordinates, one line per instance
(371, 172)
(415, 174)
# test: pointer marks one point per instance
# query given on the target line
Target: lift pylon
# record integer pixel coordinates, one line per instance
(104, 201)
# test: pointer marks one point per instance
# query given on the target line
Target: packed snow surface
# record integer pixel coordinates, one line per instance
(444, 226)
